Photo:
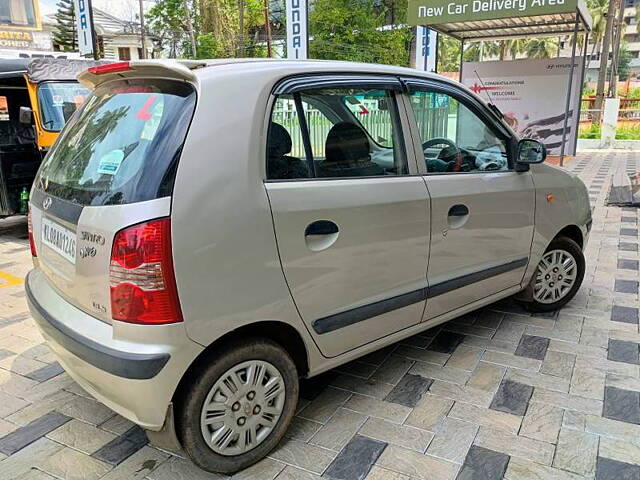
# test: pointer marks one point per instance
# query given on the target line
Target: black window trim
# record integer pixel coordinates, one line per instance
(301, 82)
(488, 118)
(297, 84)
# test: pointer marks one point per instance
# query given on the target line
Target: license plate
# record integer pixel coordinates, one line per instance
(59, 239)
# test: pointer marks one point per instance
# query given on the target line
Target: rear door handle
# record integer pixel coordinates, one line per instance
(459, 211)
(321, 227)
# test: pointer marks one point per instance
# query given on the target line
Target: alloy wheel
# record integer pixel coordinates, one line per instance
(243, 407)
(556, 275)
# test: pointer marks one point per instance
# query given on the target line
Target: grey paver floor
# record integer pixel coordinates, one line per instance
(498, 393)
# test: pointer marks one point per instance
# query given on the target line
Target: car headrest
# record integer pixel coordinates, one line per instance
(279, 140)
(347, 143)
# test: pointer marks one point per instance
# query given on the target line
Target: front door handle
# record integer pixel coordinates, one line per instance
(321, 227)
(459, 211)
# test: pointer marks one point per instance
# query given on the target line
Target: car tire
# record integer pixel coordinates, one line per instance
(233, 363)
(563, 257)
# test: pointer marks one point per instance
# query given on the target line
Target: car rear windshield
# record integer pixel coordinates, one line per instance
(122, 146)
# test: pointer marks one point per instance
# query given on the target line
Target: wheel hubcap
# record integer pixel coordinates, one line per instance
(242, 407)
(556, 275)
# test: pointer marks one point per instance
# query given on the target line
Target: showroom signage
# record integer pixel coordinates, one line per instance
(84, 24)
(514, 87)
(432, 12)
(426, 49)
(297, 29)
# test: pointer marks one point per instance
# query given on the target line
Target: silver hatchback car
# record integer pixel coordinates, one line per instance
(205, 233)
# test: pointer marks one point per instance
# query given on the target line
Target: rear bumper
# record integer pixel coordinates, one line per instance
(132, 369)
(116, 362)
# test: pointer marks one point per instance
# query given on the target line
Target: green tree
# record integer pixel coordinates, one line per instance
(166, 20)
(544, 47)
(64, 33)
(624, 59)
(357, 30)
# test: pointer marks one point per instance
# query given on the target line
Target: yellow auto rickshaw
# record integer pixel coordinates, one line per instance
(37, 97)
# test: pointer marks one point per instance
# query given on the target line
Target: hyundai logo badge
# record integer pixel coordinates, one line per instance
(46, 203)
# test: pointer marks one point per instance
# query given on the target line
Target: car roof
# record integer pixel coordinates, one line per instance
(285, 68)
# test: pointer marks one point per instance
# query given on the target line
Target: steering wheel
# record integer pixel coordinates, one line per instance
(438, 141)
(452, 154)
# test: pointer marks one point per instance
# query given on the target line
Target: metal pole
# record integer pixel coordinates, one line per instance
(570, 84)
(584, 63)
(144, 47)
(241, 26)
(461, 59)
(96, 53)
(268, 27)
(617, 39)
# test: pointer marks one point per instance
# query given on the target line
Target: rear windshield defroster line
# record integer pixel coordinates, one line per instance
(123, 145)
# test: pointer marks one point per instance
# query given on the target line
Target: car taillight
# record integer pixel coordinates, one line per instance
(141, 276)
(32, 242)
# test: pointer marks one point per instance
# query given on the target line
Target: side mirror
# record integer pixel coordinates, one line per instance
(25, 115)
(530, 152)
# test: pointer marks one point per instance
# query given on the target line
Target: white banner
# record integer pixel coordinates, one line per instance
(84, 25)
(532, 96)
(297, 31)
(426, 49)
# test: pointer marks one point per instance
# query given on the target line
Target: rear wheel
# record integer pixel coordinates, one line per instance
(558, 277)
(239, 406)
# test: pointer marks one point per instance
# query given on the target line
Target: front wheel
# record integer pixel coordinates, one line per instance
(239, 406)
(558, 276)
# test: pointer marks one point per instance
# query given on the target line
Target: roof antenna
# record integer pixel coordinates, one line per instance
(495, 109)
(483, 87)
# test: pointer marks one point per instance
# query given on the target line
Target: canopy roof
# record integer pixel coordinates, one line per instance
(493, 19)
(44, 69)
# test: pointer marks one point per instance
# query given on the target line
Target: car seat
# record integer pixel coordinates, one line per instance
(279, 164)
(347, 153)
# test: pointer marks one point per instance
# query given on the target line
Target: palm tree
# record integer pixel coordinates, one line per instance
(545, 47)
(598, 10)
(517, 46)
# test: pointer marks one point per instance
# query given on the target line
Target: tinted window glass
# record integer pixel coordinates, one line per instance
(454, 138)
(58, 101)
(123, 146)
(352, 133)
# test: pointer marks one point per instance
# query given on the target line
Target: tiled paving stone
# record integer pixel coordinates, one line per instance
(483, 464)
(625, 264)
(626, 286)
(512, 397)
(409, 390)
(608, 469)
(628, 247)
(624, 314)
(122, 447)
(629, 232)
(46, 373)
(356, 459)
(624, 351)
(23, 436)
(445, 342)
(629, 219)
(532, 346)
(621, 405)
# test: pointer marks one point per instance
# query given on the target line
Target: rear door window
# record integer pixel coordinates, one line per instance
(123, 146)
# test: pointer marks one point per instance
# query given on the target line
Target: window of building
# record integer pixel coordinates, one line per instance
(124, 53)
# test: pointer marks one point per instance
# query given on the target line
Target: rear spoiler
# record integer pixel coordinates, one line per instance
(178, 69)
